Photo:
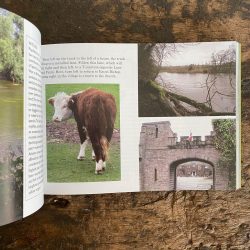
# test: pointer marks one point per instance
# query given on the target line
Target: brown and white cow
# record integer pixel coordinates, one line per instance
(95, 112)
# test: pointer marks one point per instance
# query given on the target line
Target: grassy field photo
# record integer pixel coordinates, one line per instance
(63, 142)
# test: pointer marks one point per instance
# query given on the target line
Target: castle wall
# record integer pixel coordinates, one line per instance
(160, 154)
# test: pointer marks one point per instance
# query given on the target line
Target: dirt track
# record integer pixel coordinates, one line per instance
(67, 132)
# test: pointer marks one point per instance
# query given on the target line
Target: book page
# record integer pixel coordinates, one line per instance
(34, 135)
(91, 110)
(177, 124)
(20, 90)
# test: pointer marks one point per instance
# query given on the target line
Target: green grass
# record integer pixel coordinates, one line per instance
(64, 167)
(52, 89)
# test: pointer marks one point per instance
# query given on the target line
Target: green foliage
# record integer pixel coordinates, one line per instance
(226, 138)
(16, 170)
(6, 56)
(6, 27)
(11, 47)
(225, 142)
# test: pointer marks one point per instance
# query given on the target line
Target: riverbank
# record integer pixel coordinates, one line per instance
(157, 101)
(194, 69)
(187, 69)
(193, 86)
(6, 81)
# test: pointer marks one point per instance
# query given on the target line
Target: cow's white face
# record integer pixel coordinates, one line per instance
(61, 105)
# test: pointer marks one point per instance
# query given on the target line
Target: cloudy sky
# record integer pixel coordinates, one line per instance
(198, 126)
(201, 126)
(195, 53)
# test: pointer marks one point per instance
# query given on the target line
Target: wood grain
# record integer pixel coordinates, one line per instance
(149, 220)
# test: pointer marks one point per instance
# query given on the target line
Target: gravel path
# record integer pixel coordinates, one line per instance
(67, 132)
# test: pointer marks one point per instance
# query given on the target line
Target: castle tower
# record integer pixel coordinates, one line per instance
(161, 156)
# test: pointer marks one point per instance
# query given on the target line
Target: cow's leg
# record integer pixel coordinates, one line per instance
(109, 133)
(98, 155)
(98, 158)
(81, 155)
(93, 154)
(104, 166)
(84, 141)
(99, 167)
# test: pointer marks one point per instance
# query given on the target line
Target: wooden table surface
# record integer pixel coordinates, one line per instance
(149, 220)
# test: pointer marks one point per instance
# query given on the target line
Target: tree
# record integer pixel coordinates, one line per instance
(190, 67)
(151, 57)
(147, 68)
(6, 28)
(11, 47)
(222, 62)
(225, 142)
(163, 100)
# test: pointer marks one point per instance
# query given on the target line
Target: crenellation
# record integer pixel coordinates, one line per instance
(161, 154)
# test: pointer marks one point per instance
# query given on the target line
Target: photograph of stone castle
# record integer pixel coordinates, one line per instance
(190, 154)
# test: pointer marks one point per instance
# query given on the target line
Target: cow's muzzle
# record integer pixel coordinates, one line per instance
(56, 119)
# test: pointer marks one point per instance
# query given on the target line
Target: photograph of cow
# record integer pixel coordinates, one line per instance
(94, 111)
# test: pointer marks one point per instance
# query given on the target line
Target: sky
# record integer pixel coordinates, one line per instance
(195, 53)
(201, 126)
(198, 126)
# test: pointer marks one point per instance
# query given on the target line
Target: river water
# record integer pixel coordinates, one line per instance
(11, 110)
(190, 85)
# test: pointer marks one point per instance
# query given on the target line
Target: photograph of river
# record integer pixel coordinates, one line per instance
(187, 79)
(189, 84)
(11, 117)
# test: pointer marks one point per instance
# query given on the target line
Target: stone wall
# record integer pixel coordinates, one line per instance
(160, 154)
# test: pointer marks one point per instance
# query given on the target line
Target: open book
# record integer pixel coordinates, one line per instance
(105, 118)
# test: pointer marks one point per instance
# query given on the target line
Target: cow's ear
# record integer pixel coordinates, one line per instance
(71, 102)
(51, 101)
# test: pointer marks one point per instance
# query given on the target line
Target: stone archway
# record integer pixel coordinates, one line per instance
(174, 165)
(161, 153)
